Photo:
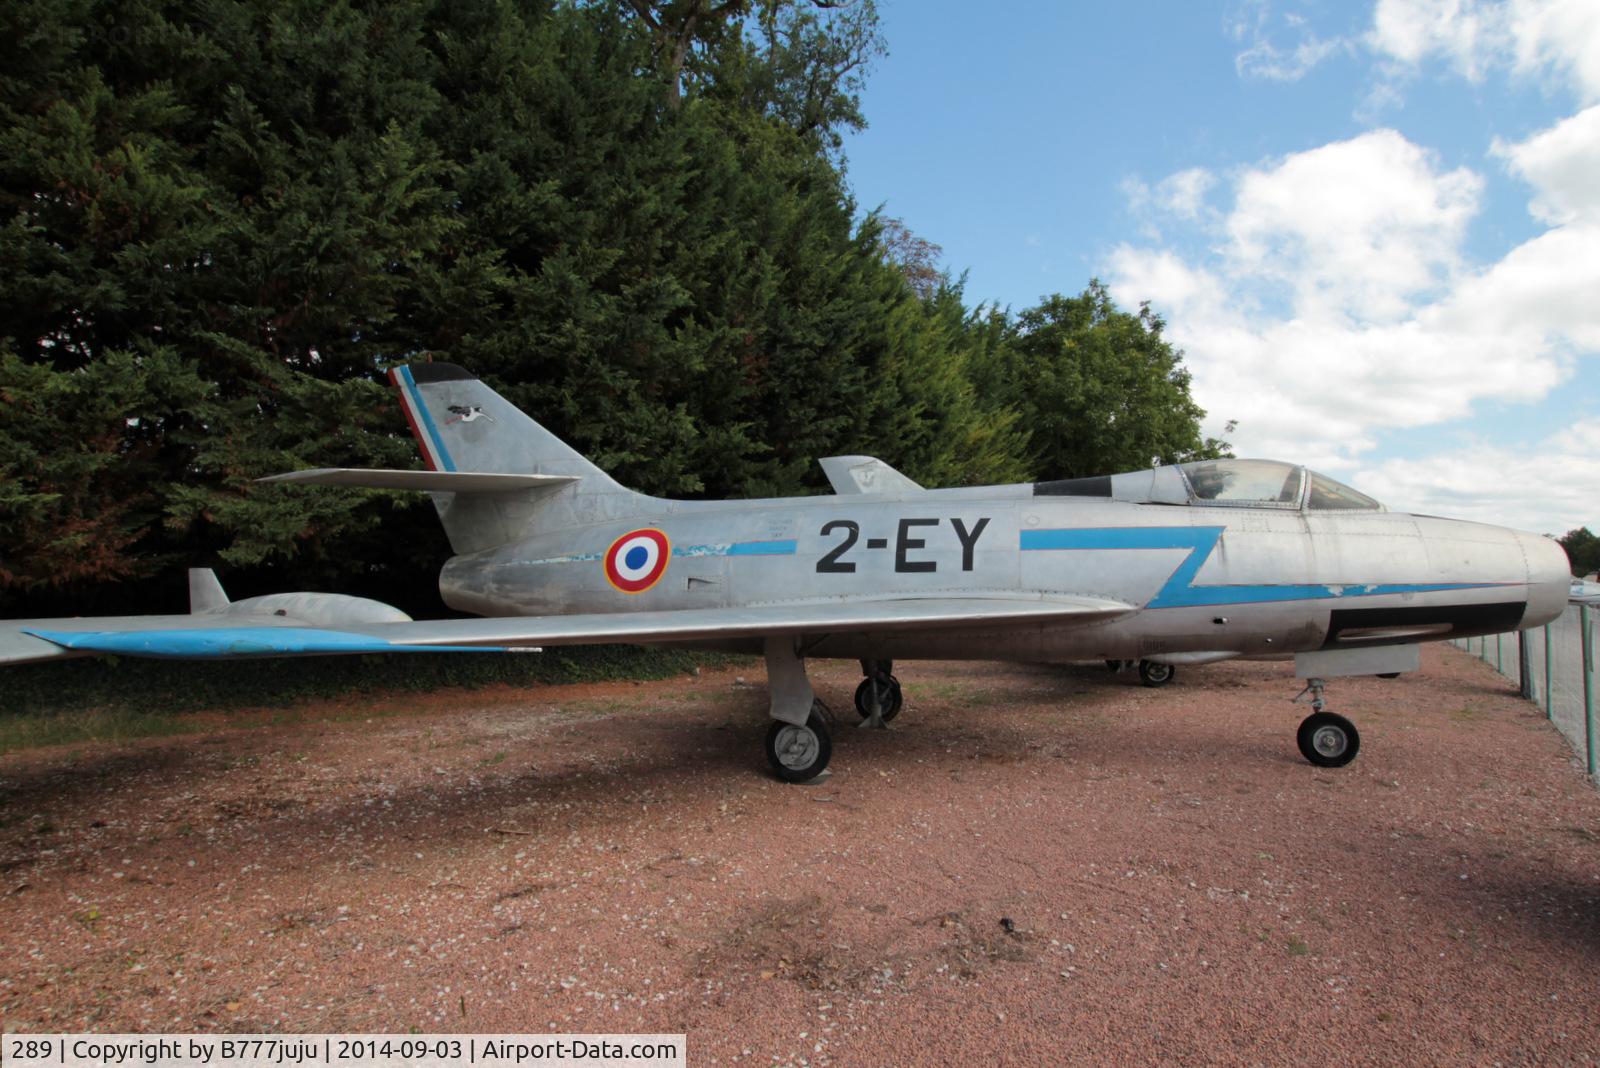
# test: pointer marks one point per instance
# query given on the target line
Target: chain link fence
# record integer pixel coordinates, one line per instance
(1554, 666)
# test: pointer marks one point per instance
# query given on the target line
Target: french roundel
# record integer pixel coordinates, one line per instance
(637, 560)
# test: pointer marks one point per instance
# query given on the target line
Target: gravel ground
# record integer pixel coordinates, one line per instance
(1035, 865)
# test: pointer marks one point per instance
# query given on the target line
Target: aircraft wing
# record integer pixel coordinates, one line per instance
(221, 638)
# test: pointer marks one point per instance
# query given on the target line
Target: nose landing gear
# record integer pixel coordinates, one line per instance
(1326, 739)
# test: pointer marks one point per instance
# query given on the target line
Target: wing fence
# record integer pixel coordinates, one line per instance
(1554, 666)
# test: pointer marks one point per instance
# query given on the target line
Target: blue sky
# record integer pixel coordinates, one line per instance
(1373, 228)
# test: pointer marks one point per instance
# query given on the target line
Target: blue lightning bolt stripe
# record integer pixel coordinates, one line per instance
(1180, 591)
(428, 426)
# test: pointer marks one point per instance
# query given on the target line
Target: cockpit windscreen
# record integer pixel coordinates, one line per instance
(1269, 483)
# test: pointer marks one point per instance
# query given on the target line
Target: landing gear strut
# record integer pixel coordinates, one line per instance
(1325, 738)
(800, 740)
(878, 698)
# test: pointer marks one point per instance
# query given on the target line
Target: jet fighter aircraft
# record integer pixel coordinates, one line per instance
(1185, 564)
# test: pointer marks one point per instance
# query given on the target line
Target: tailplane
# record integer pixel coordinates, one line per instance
(494, 474)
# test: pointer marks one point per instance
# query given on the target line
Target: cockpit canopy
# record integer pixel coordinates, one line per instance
(1221, 483)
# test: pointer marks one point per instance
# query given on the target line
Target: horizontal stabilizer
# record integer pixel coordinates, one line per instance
(427, 481)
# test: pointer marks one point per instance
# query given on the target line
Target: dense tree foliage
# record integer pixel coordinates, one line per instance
(222, 220)
(1583, 550)
(1098, 389)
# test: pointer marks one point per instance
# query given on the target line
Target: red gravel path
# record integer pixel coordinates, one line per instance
(1182, 886)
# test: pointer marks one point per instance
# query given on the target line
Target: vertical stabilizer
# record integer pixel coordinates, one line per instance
(461, 425)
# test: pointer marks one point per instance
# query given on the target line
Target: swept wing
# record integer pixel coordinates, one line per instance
(207, 637)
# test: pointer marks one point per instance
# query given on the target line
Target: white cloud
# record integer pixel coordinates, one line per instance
(1355, 227)
(1252, 24)
(1563, 166)
(1530, 38)
(1182, 194)
(1466, 32)
(1333, 298)
(1547, 487)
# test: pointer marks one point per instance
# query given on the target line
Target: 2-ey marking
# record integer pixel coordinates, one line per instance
(907, 542)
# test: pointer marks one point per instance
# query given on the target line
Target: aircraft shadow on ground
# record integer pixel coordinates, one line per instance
(667, 758)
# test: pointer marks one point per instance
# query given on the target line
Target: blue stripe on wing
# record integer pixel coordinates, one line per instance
(234, 642)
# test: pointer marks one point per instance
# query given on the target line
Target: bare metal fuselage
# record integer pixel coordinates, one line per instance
(1205, 582)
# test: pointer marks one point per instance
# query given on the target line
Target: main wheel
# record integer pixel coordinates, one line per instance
(1328, 740)
(890, 699)
(799, 754)
(1154, 674)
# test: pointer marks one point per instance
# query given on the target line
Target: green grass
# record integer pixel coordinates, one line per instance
(115, 699)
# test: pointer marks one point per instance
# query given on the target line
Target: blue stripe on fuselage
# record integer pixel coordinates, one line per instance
(427, 420)
(1180, 590)
(775, 547)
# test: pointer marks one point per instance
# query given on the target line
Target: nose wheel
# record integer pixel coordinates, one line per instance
(1328, 740)
(1325, 738)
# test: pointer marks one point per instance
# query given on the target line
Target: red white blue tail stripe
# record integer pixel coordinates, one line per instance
(422, 424)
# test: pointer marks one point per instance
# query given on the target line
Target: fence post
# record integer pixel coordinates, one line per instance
(1498, 669)
(1588, 684)
(1524, 669)
(1549, 708)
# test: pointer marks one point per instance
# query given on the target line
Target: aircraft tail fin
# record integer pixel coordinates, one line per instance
(465, 428)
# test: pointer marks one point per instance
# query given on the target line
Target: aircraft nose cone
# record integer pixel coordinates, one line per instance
(1549, 579)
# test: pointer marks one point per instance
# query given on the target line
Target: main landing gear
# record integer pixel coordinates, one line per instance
(800, 752)
(878, 698)
(1325, 738)
(1151, 673)
(800, 740)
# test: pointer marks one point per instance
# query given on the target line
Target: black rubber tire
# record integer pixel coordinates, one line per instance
(1154, 674)
(799, 754)
(1328, 740)
(1389, 675)
(891, 704)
